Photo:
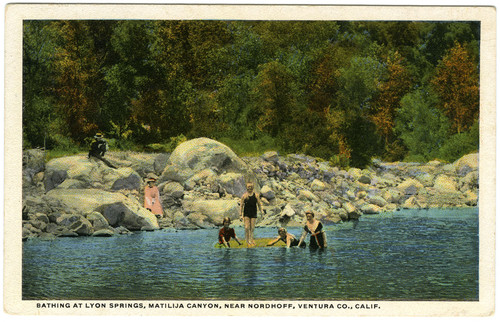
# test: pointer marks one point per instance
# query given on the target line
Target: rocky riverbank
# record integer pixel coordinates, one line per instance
(202, 181)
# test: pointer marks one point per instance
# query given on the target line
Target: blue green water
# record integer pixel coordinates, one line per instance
(406, 255)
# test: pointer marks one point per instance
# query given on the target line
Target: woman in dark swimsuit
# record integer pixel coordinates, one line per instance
(315, 228)
(285, 237)
(248, 212)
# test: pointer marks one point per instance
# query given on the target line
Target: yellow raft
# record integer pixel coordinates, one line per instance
(259, 242)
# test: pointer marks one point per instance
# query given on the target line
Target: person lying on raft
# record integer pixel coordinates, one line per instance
(315, 228)
(285, 237)
(225, 233)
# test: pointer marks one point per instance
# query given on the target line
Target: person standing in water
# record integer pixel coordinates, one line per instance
(250, 203)
(315, 228)
(152, 198)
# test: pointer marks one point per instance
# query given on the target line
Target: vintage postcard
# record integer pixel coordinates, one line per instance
(236, 160)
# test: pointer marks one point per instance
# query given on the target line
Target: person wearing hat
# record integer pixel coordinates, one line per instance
(152, 198)
(98, 148)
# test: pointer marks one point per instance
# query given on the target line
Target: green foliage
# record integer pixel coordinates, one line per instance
(330, 89)
(422, 127)
(359, 83)
(340, 161)
(62, 145)
(459, 144)
(245, 147)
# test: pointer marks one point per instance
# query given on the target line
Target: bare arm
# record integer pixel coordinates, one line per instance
(272, 242)
(259, 203)
(225, 242)
(242, 204)
(304, 234)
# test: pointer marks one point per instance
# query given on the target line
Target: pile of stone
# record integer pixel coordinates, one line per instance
(202, 182)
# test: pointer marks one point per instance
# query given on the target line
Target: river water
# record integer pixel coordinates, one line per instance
(405, 255)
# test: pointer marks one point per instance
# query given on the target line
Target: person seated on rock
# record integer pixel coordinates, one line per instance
(98, 148)
(152, 198)
(285, 237)
(226, 233)
(315, 228)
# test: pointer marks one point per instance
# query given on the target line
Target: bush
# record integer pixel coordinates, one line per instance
(340, 161)
(256, 147)
(460, 144)
(59, 146)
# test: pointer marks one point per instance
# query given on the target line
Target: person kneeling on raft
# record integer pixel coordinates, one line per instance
(225, 233)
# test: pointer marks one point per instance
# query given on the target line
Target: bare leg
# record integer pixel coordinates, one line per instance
(246, 221)
(252, 228)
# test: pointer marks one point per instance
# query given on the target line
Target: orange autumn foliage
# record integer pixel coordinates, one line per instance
(457, 84)
(391, 91)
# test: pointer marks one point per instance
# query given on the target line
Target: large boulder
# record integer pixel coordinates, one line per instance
(470, 181)
(445, 183)
(233, 183)
(214, 210)
(127, 179)
(142, 163)
(271, 156)
(318, 185)
(115, 207)
(194, 156)
(79, 172)
(97, 220)
(267, 192)
(370, 209)
(307, 195)
(199, 220)
(466, 164)
(378, 201)
(33, 163)
(173, 189)
(410, 187)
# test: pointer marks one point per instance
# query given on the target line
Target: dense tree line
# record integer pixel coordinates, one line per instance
(343, 91)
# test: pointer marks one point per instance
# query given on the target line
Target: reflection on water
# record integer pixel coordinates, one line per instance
(408, 255)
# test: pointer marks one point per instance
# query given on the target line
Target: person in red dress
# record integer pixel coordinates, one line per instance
(226, 233)
(152, 198)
